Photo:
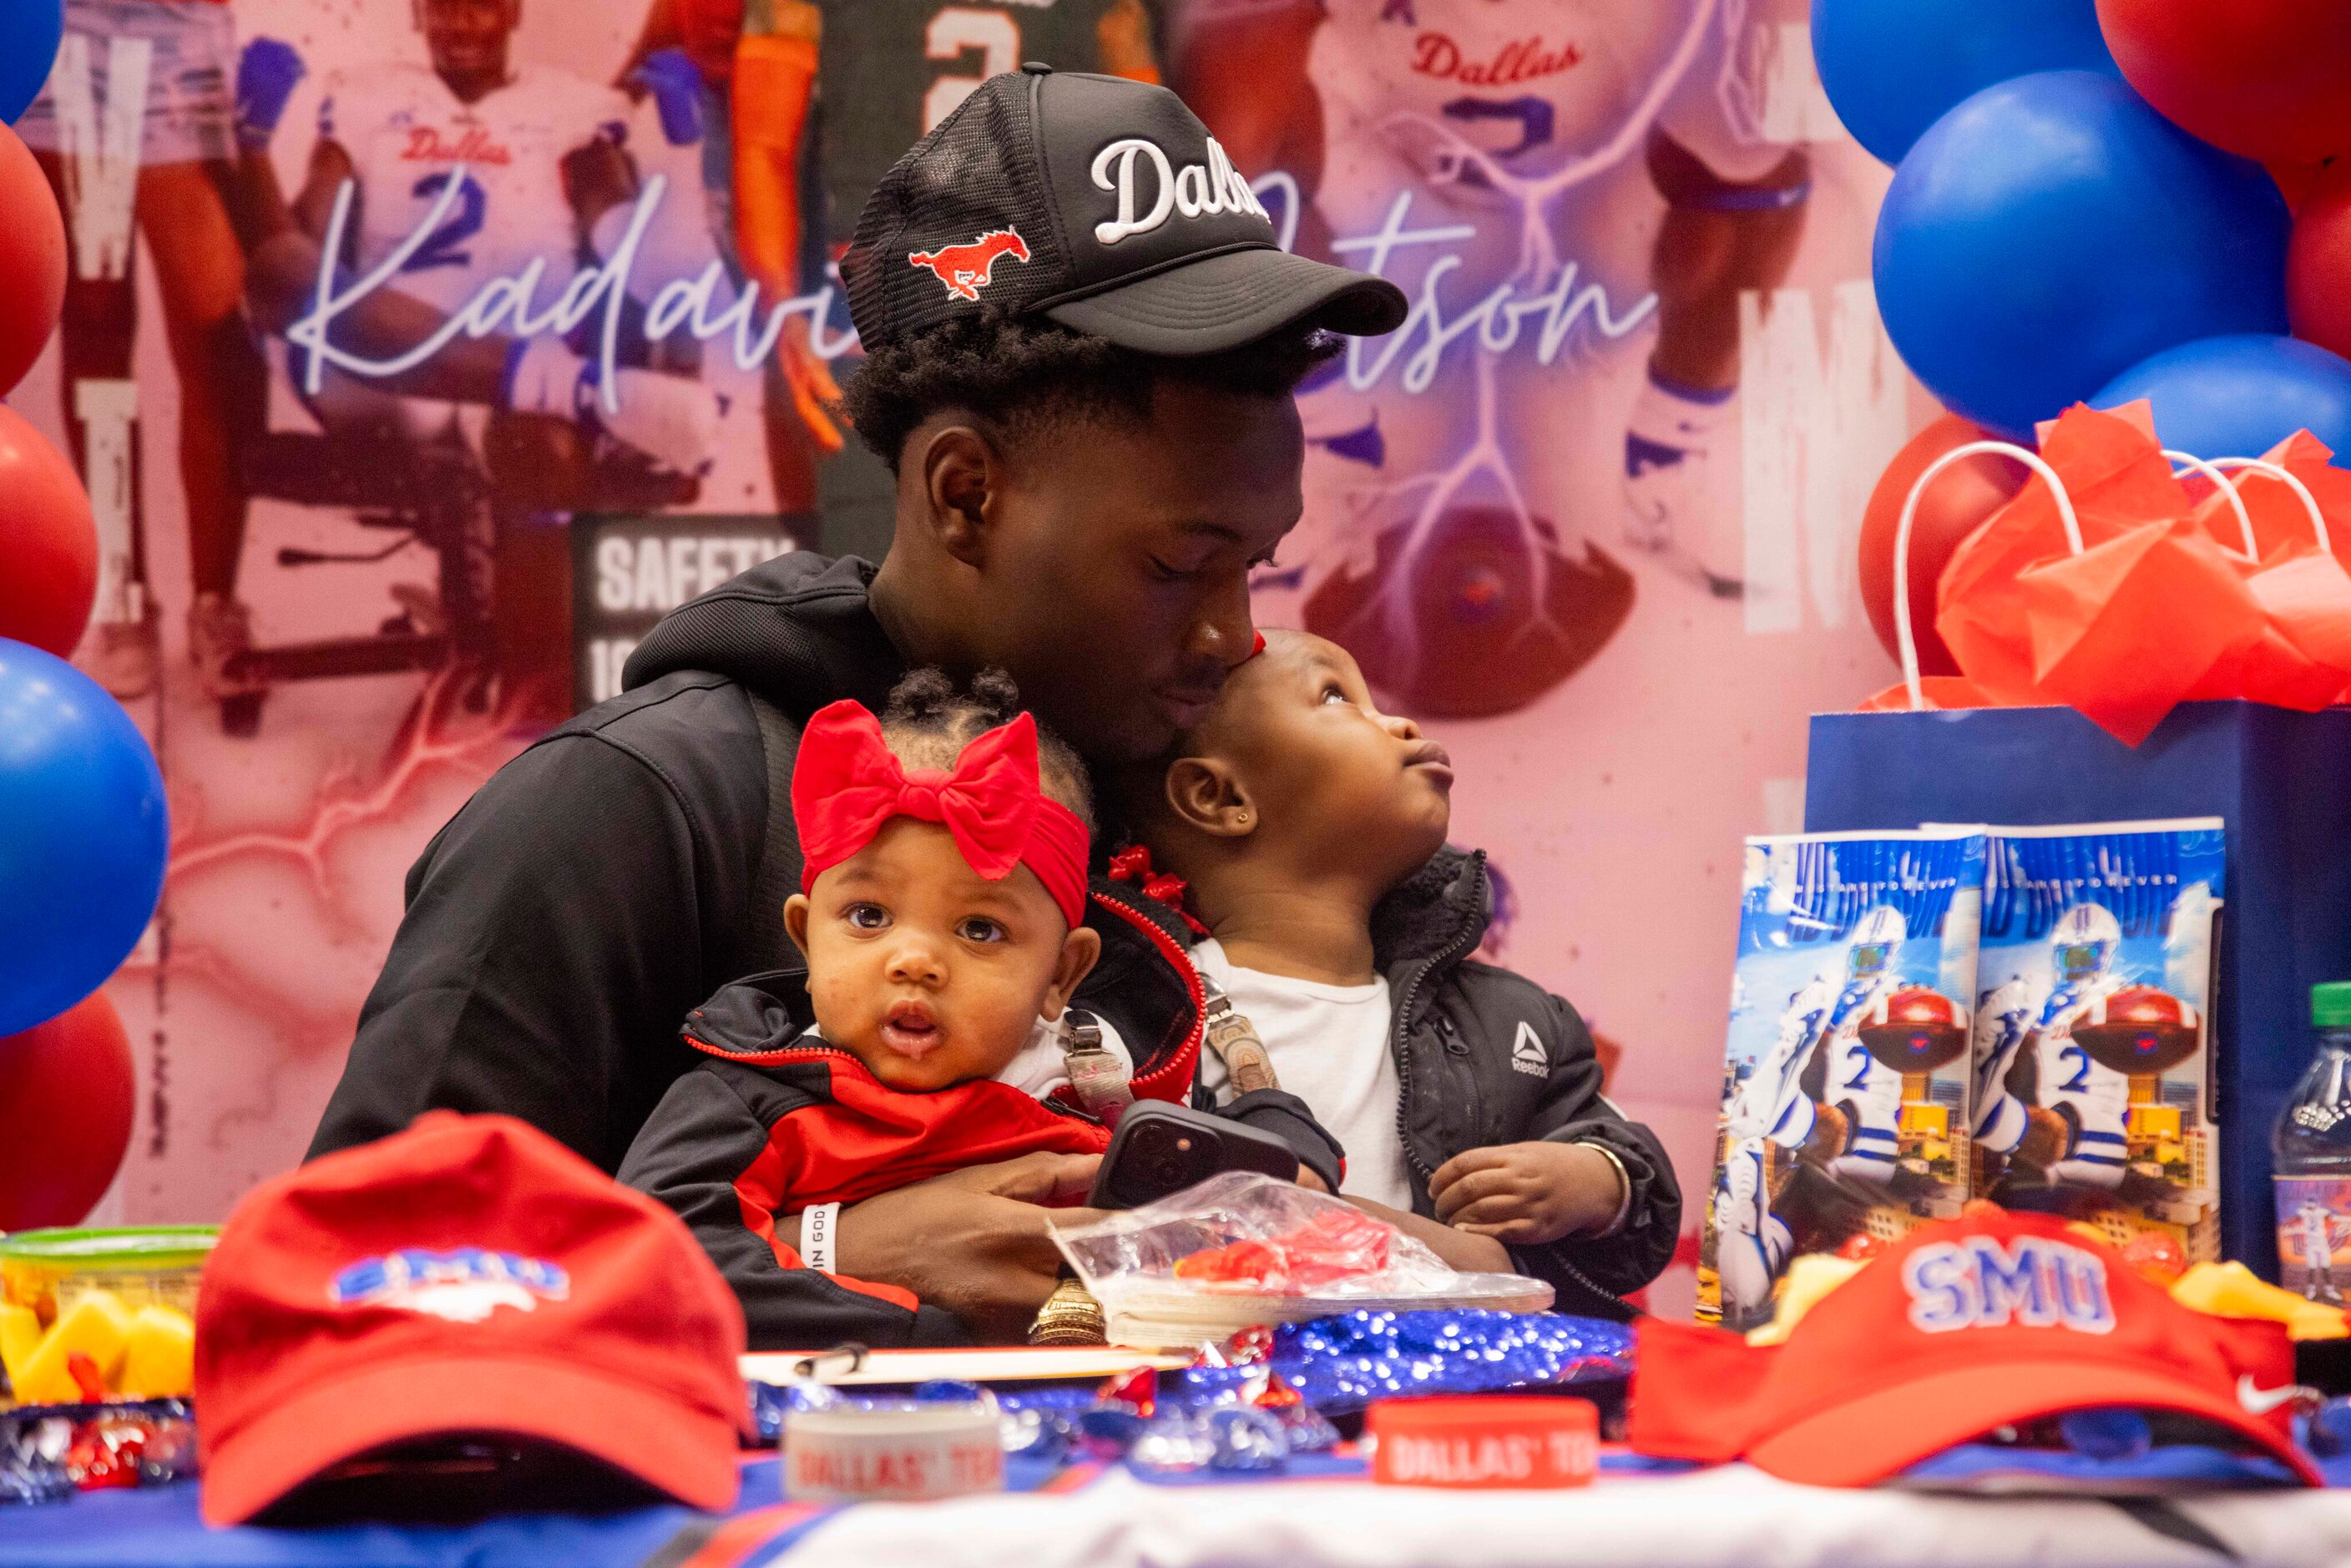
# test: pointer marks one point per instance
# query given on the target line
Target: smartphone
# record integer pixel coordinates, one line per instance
(1160, 1149)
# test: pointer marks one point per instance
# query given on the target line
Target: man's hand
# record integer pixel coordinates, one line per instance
(1528, 1193)
(975, 1242)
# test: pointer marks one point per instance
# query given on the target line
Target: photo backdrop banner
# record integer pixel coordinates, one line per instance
(1590, 516)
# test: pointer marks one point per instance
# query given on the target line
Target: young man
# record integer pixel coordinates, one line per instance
(1083, 339)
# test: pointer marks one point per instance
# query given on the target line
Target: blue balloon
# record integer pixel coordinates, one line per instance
(83, 832)
(2238, 397)
(29, 34)
(2053, 231)
(1892, 67)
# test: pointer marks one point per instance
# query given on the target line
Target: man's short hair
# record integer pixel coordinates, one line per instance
(1016, 375)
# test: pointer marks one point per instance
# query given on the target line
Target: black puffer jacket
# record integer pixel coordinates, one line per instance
(1485, 1056)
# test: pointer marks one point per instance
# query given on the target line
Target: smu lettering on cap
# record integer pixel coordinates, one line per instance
(1984, 1283)
(464, 1285)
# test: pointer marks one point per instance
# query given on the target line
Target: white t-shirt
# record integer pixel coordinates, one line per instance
(1328, 1046)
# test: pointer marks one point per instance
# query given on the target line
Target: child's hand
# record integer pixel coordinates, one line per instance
(1527, 1194)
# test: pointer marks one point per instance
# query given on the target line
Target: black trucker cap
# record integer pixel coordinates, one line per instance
(1101, 202)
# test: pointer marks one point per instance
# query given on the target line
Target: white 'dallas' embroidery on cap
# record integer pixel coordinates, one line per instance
(462, 1286)
(1194, 191)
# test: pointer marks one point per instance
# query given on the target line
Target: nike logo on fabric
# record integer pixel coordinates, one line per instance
(1527, 1052)
(2259, 1401)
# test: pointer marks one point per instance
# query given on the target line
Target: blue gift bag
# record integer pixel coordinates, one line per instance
(2281, 780)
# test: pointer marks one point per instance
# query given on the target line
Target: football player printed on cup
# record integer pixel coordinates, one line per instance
(2095, 972)
(1843, 1120)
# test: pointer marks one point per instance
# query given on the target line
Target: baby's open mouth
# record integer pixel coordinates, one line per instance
(910, 1030)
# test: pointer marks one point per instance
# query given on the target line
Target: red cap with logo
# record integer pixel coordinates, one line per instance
(468, 1275)
(1966, 1326)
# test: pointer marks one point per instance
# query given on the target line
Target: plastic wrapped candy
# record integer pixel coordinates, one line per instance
(1333, 1245)
(1250, 1442)
(1241, 1249)
(1043, 1435)
(51, 1452)
(1175, 1444)
(33, 1460)
(1231, 1440)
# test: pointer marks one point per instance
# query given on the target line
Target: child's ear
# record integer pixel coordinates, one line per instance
(1080, 948)
(1205, 794)
(796, 916)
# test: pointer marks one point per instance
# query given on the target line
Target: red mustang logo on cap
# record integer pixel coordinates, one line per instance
(967, 269)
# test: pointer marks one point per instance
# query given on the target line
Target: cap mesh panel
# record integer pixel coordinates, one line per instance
(976, 173)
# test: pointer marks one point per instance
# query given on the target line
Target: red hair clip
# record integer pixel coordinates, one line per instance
(1133, 865)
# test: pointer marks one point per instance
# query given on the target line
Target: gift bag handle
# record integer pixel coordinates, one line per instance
(2220, 482)
(1905, 637)
(2309, 501)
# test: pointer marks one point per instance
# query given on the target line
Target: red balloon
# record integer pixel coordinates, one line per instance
(2318, 263)
(65, 1092)
(2263, 78)
(1954, 507)
(48, 542)
(32, 260)
(2295, 181)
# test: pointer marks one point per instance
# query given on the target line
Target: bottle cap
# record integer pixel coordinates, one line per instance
(2330, 1005)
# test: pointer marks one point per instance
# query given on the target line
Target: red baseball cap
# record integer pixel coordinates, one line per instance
(468, 1275)
(1966, 1326)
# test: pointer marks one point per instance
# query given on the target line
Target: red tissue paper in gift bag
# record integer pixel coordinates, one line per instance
(2118, 479)
(2162, 604)
(2295, 504)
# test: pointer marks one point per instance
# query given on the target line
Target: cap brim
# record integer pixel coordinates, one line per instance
(686, 1453)
(1221, 302)
(1862, 1441)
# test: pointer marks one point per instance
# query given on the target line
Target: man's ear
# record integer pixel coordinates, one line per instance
(796, 916)
(959, 472)
(1079, 949)
(1205, 794)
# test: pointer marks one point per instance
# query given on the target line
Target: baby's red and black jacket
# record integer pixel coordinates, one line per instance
(772, 1121)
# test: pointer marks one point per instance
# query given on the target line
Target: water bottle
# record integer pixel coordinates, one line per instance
(2311, 1147)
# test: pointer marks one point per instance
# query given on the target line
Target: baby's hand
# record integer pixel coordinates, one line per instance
(1527, 1194)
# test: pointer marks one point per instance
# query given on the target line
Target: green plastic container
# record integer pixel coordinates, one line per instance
(49, 1271)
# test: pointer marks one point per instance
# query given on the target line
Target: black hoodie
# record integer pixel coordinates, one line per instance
(599, 887)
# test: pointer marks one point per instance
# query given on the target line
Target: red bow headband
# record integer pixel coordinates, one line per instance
(846, 786)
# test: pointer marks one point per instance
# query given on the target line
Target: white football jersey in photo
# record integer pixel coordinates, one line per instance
(408, 136)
